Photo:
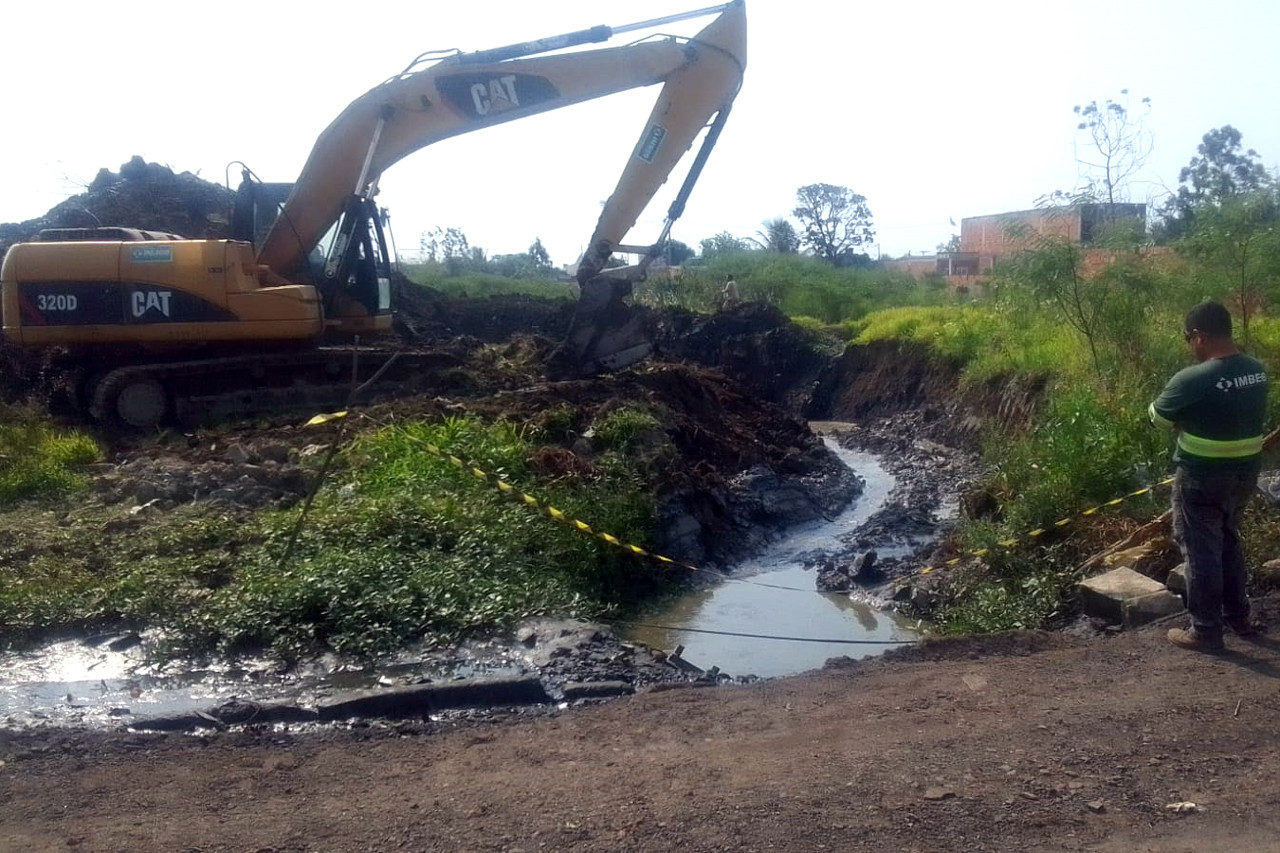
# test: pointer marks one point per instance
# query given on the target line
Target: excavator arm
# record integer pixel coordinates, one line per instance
(465, 92)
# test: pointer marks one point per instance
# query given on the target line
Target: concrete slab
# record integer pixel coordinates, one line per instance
(1125, 597)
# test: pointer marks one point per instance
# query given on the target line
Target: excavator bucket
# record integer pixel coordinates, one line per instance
(606, 334)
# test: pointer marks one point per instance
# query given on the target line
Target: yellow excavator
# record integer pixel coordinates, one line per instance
(164, 326)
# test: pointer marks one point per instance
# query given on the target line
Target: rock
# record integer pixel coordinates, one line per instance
(1149, 608)
(273, 451)
(1125, 597)
(1096, 806)
(833, 577)
(841, 577)
(128, 641)
(939, 793)
(865, 570)
(595, 689)
(230, 713)
(151, 507)
(1268, 574)
(1184, 808)
(313, 450)
(1177, 580)
(420, 700)
(238, 454)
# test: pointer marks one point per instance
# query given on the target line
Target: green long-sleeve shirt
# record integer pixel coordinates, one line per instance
(1219, 407)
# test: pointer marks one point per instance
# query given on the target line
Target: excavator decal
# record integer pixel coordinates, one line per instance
(487, 95)
(96, 304)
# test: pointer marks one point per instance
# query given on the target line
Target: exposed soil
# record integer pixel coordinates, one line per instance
(1026, 742)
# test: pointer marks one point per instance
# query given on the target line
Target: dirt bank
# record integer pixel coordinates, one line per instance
(885, 378)
(1014, 743)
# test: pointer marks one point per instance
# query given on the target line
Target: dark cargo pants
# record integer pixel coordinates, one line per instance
(1207, 506)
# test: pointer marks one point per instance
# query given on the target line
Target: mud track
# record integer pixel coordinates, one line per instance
(1026, 742)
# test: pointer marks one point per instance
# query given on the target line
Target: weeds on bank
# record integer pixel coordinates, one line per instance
(37, 460)
(477, 285)
(399, 545)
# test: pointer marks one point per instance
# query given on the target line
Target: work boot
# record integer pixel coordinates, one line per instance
(1190, 638)
(1243, 627)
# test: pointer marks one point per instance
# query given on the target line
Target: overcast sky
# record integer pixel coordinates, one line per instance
(933, 111)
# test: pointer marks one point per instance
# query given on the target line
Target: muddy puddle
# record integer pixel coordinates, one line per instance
(800, 611)
(89, 683)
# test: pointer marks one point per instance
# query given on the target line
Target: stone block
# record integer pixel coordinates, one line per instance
(1107, 595)
(1149, 608)
(1177, 580)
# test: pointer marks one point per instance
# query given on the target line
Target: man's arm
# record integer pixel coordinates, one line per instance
(1181, 392)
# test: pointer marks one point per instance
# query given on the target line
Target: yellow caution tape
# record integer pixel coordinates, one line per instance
(529, 500)
(324, 419)
(1032, 535)
(585, 528)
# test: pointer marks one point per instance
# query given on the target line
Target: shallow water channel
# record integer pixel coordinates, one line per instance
(802, 611)
(107, 681)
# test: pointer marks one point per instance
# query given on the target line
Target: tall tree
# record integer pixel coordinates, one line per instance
(1117, 144)
(539, 257)
(1236, 246)
(835, 219)
(723, 243)
(778, 235)
(676, 253)
(1220, 171)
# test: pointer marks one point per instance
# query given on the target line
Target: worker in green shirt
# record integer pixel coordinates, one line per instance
(1217, 407)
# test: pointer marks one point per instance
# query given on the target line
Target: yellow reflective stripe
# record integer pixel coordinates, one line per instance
(1157, 418)
(1211, 449)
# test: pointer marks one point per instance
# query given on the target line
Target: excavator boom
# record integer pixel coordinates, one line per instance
(460, 94)
(466, 92)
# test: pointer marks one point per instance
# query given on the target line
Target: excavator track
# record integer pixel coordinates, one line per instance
(146, 396)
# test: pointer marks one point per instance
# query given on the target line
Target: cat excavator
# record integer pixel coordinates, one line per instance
(163, 326)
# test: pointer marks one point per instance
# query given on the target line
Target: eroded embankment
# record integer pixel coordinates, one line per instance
(884, 378)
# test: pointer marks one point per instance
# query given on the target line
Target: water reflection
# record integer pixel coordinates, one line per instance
(747, 608)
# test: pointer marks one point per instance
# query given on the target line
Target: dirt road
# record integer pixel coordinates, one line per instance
(1027, 743)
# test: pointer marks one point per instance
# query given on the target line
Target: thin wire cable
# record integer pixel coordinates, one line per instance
(844, 642)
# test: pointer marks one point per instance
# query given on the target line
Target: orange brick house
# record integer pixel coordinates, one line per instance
(985, 240)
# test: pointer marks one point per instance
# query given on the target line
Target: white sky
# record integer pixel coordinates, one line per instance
(934, 111)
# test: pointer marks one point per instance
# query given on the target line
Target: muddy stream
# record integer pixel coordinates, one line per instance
(800, 611)
(109, 681)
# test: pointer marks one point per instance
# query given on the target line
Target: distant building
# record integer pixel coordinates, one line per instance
(985, 240)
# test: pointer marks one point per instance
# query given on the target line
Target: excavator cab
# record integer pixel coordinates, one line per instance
(350, 266)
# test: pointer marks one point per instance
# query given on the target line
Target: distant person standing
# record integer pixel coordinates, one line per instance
(1217, 407)
(729, 297)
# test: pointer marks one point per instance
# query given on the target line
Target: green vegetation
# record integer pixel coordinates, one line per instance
(37, 460)
(620, 429)
(480, 284)
(400, 545)
(798, 285)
